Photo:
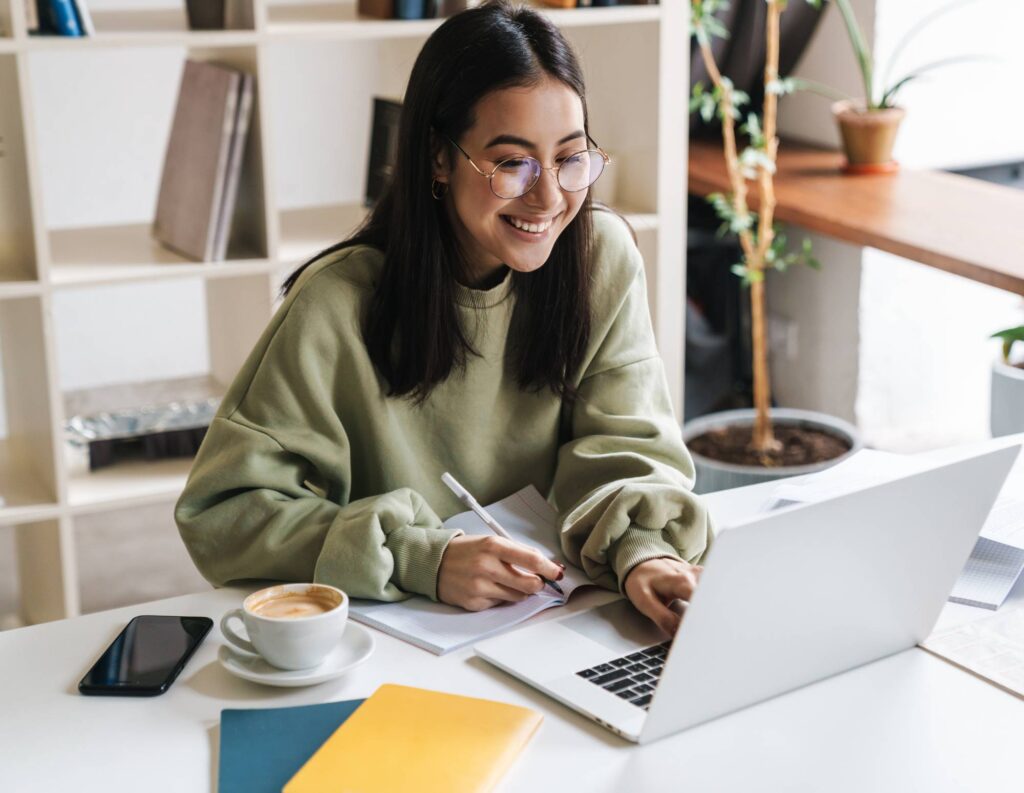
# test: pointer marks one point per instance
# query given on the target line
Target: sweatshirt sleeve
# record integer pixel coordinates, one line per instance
(249, 511)
(269, 494)
(624, 479)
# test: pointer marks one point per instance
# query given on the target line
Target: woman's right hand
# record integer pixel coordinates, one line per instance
(477, 572)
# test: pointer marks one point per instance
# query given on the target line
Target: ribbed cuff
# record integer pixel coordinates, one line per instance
(417, 552)
(637, 545)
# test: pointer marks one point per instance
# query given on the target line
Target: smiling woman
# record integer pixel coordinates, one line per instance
(485, 320)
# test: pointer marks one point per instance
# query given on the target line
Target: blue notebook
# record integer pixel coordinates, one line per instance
(262, 748)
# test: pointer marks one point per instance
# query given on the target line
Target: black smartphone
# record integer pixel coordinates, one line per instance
(146, 657)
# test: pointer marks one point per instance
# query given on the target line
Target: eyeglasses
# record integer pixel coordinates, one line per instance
(516, 176)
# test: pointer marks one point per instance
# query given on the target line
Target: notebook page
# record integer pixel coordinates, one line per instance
(992, 648)
(441, 628)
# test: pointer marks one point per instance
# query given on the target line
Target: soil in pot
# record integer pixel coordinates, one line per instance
(798, 446)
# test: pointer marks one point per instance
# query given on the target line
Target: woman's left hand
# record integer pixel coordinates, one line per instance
(652, 585)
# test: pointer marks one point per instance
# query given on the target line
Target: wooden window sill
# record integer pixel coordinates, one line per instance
(954, 223)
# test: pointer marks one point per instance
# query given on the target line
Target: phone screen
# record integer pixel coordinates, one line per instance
(146, 657)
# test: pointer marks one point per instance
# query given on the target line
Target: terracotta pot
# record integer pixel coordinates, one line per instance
(868, 136)
(713, 475)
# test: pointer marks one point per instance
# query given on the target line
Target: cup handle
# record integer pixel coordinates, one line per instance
(231, 636)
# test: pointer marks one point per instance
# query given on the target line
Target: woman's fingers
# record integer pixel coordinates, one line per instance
(651, 606)
(527, 558)
(676, 586)
(654, 586)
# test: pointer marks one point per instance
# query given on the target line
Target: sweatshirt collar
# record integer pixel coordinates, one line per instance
(485, 298)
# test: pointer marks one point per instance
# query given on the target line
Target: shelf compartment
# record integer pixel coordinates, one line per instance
(17, 242)
(236, 312)
(340, 20)
(28, 477)
(100, 199)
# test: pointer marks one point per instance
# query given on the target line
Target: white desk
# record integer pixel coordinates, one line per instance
(910, 722)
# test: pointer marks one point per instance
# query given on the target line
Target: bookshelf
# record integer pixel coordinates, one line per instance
(317, 67)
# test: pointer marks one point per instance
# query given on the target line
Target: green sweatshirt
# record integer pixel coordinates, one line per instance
(310, 473)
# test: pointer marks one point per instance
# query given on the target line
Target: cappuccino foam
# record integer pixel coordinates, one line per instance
(294, 605)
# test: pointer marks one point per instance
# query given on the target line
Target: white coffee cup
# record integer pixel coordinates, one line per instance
(293, 626)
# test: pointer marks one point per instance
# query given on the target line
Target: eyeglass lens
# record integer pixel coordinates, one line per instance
(516, 177)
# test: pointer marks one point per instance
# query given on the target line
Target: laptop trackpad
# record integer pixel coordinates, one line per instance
(618, 626)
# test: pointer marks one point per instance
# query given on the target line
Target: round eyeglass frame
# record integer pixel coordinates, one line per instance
(556, 168)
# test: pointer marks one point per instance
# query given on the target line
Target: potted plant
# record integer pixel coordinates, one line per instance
(868, 125)
(1007, 399)
(740, 447)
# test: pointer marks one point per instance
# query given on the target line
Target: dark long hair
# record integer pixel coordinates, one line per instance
(412, 328)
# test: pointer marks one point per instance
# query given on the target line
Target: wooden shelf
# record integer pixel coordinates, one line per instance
(114, 254)
(16, 289)
(127, 484)
(953, 223)
(152, 27)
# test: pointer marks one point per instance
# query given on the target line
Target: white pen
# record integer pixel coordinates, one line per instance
(466, 498)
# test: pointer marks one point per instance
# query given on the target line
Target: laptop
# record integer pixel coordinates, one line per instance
(785, 599)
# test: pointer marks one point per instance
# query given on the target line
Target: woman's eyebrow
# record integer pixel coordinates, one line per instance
(517, 141)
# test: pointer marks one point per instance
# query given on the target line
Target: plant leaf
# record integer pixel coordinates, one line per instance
(890, 93)
(916, 29)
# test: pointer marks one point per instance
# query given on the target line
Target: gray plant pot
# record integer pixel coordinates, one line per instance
(1007, 399)
(713, 475)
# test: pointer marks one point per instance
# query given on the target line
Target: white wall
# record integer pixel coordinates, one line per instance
(924, 355)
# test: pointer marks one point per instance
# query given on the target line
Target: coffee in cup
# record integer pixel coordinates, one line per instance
(293, 626)
(294, 605)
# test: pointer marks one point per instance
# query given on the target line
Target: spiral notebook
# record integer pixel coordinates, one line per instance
(441, 628)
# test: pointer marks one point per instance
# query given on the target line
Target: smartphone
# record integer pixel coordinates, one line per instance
(146, 657)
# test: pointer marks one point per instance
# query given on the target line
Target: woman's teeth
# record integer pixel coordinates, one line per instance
(533, 228)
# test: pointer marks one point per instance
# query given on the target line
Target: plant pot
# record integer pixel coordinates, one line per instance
(713, 475)
(868, 136)
(1007, 417)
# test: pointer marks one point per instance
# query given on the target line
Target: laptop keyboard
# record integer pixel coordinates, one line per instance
(632, 677)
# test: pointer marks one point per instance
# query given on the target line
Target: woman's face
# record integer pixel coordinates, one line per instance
(543, 121)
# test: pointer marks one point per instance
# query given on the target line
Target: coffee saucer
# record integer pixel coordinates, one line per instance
(355, 646)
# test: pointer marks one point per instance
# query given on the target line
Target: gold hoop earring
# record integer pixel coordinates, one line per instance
(438, 189)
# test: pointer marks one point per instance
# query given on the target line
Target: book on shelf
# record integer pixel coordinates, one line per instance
(378, 9)
(236, 154)
(387, 115)
(59, 17)
(219, 14)
(410, 9)
(85, 18)
(198, 187)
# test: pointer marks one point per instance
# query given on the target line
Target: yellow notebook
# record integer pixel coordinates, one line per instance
(410, 739)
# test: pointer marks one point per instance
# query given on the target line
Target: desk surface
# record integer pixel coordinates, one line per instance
(907, 722)
(954, 223)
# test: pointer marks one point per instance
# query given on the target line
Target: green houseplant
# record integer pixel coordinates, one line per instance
(739, 447)
(1007, 401)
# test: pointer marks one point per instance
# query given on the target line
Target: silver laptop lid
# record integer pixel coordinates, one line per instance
(809, 591)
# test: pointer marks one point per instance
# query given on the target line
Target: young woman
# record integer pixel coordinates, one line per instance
(485, 320)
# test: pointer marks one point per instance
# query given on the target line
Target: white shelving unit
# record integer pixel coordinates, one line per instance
(635, 58)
